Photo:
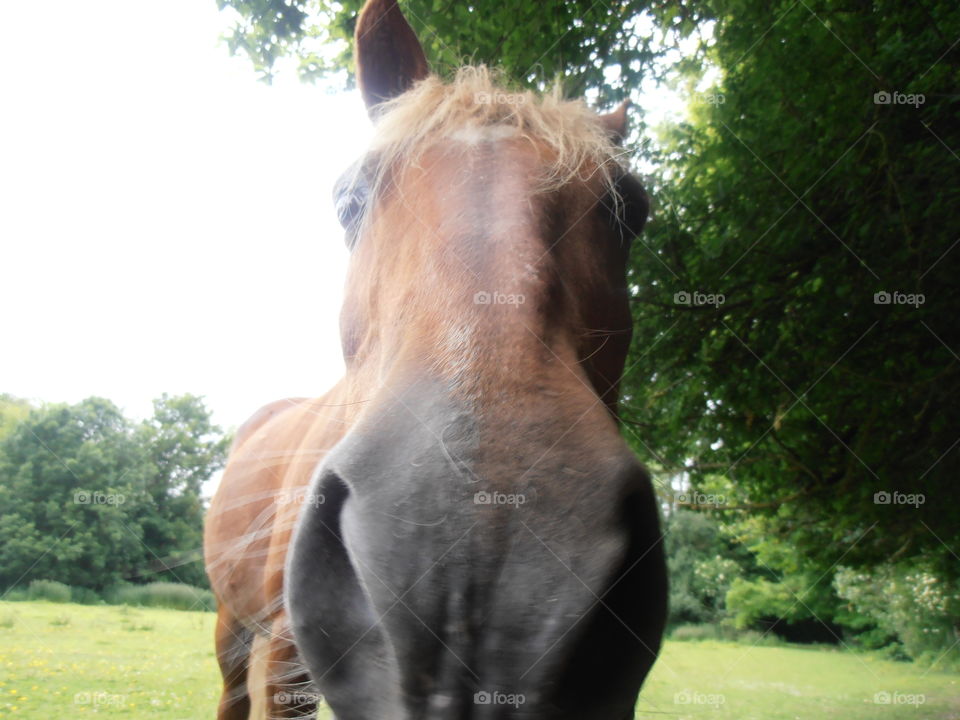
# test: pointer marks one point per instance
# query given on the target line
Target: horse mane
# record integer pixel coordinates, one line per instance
(433, 109)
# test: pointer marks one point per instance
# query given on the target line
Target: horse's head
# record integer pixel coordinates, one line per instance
(488, 545)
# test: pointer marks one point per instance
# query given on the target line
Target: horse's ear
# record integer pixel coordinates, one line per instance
(388, 55)
(617, 122)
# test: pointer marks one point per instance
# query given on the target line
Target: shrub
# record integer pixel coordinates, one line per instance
(174, 596)
(85, 596)
(686, 633)
(49, 590)
(910, 601)
(692, 633)
(757, 638)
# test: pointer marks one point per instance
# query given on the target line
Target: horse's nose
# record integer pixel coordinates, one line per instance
(442, 575)
(575, 619)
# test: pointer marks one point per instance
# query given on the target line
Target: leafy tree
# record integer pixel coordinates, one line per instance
(71, 483)
(798, 198)
(702, 566)
(787, 592)
(12, 411)
(909, 601)
(90, 499)
(184, 448)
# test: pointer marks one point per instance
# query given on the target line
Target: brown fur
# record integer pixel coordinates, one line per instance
(426, 250)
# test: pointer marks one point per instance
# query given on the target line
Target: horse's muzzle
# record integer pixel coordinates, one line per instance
(454, 570)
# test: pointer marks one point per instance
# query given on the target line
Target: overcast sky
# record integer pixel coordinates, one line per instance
(165, 218)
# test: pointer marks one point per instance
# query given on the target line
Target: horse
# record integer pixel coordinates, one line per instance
(457, 529)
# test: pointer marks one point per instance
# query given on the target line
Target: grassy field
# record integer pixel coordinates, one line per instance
(75, 660)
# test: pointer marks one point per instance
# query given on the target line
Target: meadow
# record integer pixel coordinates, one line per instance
(106, 661)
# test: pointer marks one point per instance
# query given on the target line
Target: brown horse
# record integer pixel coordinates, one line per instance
(456, 530)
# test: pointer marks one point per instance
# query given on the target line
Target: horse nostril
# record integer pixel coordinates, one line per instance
(616, 644)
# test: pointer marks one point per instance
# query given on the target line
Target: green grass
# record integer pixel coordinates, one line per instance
(724, 680)
(74, 660)
(60, 660)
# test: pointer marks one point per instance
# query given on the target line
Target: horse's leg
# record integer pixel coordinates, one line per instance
(289, 690)
(233, 642)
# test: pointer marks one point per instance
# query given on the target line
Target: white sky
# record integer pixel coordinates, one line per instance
(165, 219)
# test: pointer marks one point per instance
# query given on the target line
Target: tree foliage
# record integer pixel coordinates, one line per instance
(908, 601)
(534, 43)
(12, 411)
(183, 448)
(702, 566)
(800, 198)
(90, 499)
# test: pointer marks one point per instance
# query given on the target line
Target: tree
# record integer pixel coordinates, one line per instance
(90, 499)
(72, 485)
(909, 601)
(12, 411)
(826, 380)
(702, 566)
(184, 448)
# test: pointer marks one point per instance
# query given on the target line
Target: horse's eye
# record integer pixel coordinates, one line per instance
(350, 199)
(629, 213)
(349, 205)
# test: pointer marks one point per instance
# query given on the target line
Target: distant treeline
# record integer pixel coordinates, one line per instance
(173, 596)
(94, 500)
